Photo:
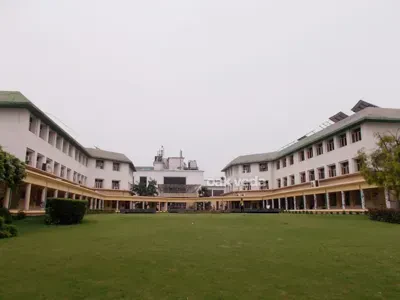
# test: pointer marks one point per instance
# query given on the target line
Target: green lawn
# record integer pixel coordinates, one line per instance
(225, 256)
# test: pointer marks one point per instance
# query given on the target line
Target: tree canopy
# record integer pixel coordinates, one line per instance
(141, 189)
(12, 170)
(204, 192)
(381, 167)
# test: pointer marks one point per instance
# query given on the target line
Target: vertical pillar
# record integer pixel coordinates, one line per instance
(286, 204)
(315, 201)
(305, 201)
(66, 194)
(343, 200)
(27, 196)
(273, 203)
(80, 197)
(117, 204)
(279, 203)
(55, 193)
(327, 202)
(43, 197)
(6, 202)
(90, 203)
(362, 196)
(294, 202)
(142, 204)
(387, 198)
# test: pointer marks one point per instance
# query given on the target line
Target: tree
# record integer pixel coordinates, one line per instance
(204, 192)
(12, 170)
(381, 167)
(141, 189)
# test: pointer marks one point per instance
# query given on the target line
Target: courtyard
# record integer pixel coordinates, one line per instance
(203, 256)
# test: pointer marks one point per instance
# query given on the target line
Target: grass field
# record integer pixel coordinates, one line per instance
(228, 256)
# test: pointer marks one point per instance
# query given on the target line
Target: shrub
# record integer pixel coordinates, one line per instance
(20, 215)
(7, 230)
(4, 212)
(385, 215)
(65, 211)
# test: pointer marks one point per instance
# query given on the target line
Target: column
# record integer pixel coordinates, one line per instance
(66, 194)
(327, 204)
(142, 204)
(166, 206)
(27, 196)
(43, 198)
(279, 203)
(305, 201)
(362, 196)
(343, 200)
(72, 196)
(273, 204)
(90, 203)
(286, 204)
(294, 202)
(6, 202)
(315, 201)
(117, 204)
(55, 193)
(387, 198)
(80, 197)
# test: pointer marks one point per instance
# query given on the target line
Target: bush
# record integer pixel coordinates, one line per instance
(65, 211)
(7, 230)
(384, 215)
(4, 212)
(20, 215)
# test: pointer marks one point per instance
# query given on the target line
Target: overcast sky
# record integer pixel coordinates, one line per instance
(216, 79)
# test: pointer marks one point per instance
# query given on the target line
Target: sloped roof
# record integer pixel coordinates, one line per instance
(367, 114)
(15, 99)
(108, 155)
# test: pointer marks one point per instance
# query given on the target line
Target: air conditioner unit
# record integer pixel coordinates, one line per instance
(314, 183)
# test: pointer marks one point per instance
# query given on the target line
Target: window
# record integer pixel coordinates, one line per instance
(62, 172)
(263, 184)
(284, 181)
(59, 142)
(115, 184)
(279, 183)
(29, 157)
(65, 147)
(52, 138)
(32, 124)
(292, 180)
(330, 145)
(56, 170)
(263, 167)
(342, 140)
(321, 173)
(70, 150)
(320, 149)
(76, 155)
(284, 162)
(291, 160)
(332, 170)
(301, 155)
(310, 152)
(143, 180)
(43, 132)
(48, 165)
(69, 174)
(115, 166)
(246, 186)
(356, 135)
(98, 183)
(344, 167)
(99, 164)
(74, 179)
(302, 177)
(246, 169)
(39, 161)
(357, 164)
(278, 165)
(311, 175)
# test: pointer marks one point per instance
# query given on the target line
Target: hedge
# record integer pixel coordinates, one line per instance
(65, 211)
(7, 230)
(4, 212)
(389, 215)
